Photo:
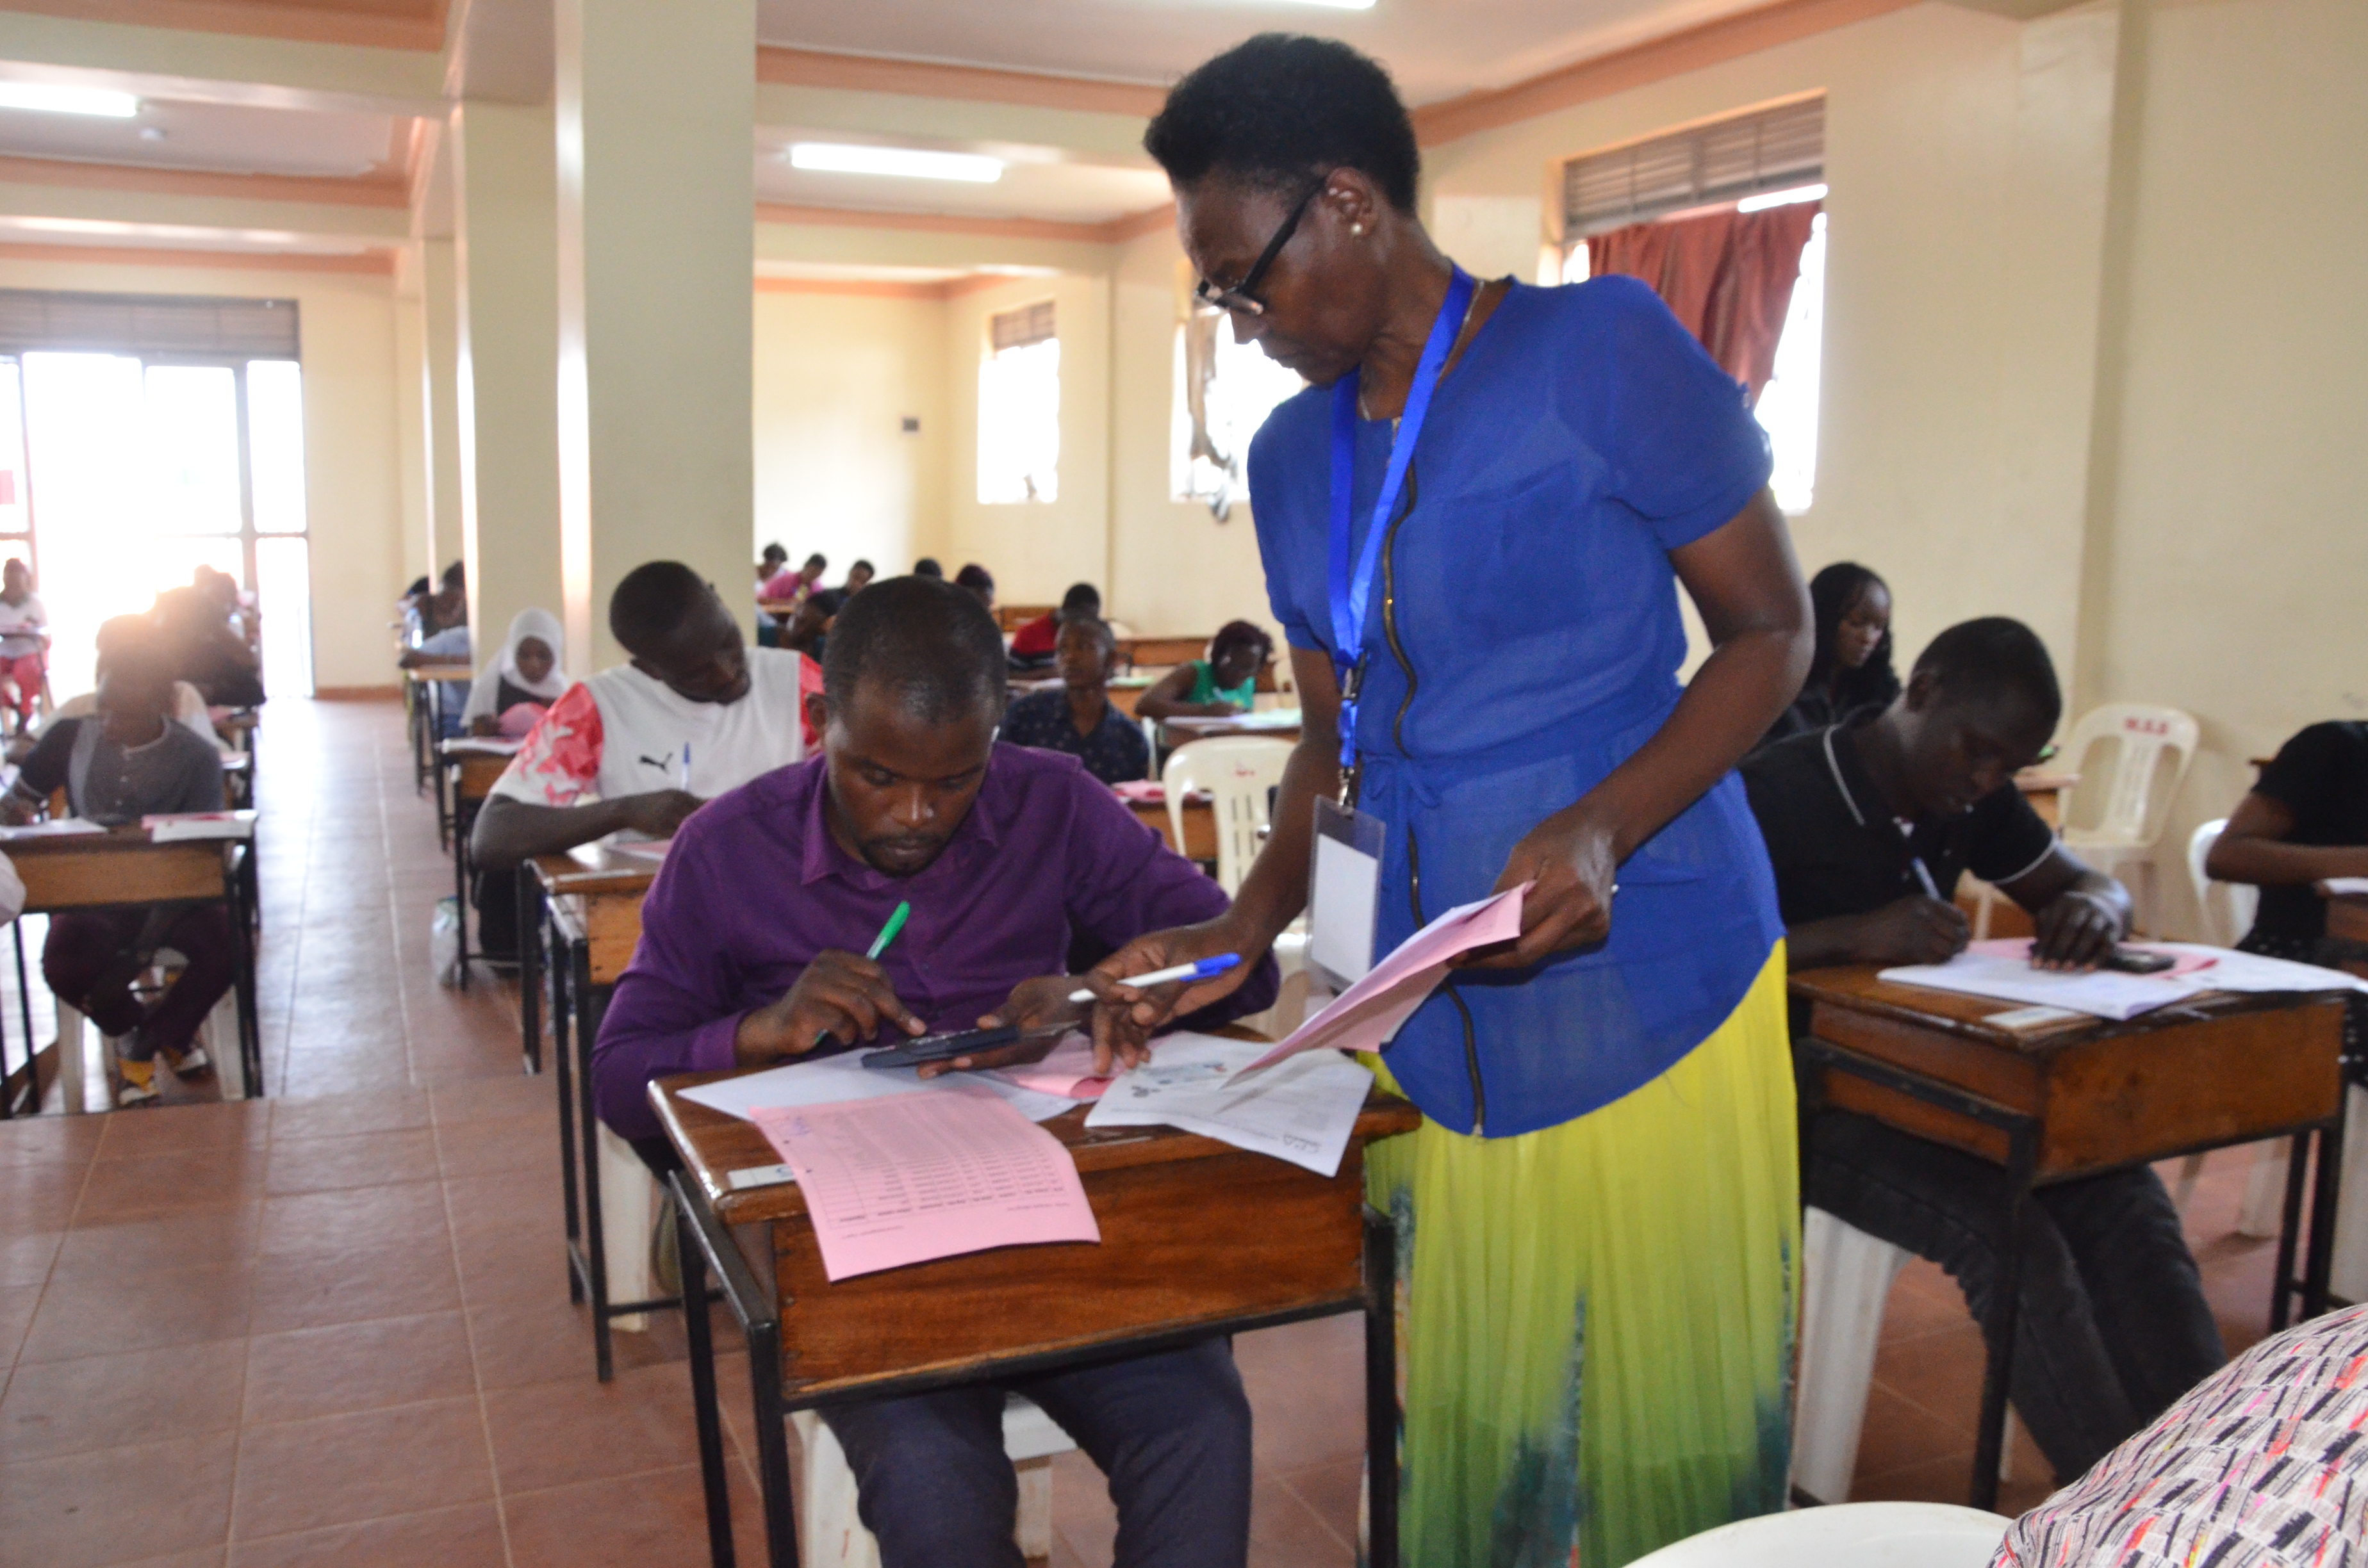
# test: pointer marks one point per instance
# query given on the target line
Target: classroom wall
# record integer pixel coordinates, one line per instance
(836, 374)
(1034, 549)
(353, 493)
(2230, 555)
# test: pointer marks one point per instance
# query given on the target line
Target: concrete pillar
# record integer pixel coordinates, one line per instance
(507, 263)
(656, 224)
(439, 307)
(412, 478)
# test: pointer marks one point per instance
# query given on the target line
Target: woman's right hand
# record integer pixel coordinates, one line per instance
(1124, 1015)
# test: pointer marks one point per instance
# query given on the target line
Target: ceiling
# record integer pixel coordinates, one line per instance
(1037, 182)
(216, 138)
(1435, 49)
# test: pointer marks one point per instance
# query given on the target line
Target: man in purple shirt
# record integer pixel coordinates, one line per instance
(752, 952)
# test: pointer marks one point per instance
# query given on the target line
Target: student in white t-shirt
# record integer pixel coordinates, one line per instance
(636, 749)
(24, 641)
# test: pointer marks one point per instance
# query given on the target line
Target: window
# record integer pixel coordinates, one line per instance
(1746, 162)
(1239, 387)
(1019, 408)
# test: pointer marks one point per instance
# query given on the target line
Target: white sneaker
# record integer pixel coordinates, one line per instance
(195, 1065)
(131, 1093)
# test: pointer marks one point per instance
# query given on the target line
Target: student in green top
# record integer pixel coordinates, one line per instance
(1223, 684)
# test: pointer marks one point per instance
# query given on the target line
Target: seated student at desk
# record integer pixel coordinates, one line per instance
(1079, 718)
(188, 703)
(129, 761)
(1850, 671)
(2305, 819)
(751, 953)
(637, 748)
(1032, 644)
(1869, 828)
(835, 599)
(1223, 684)
(511, 694)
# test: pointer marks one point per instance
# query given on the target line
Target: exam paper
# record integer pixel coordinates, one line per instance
(2183, 961)
(56, 827)
(1270, 719)
(2106, 995)
(1366, 1016)
(912, 1177)
(176, 826)
(1302, 1111)
(832, 1080)
(1066, 1071)
(2344, 887)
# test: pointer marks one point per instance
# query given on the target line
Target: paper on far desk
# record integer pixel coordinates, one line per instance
(832, 1080)
(651, 849)
(2344, 887)
(2107, 995)
(179, 825)
(57, 827)
(1270, 719)
(911, 1178)
(1302, 1111)
(1366, 1016)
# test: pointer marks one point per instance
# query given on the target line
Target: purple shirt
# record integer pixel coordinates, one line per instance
(755, 887)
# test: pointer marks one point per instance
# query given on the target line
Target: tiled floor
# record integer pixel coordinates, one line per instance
(332, 1326)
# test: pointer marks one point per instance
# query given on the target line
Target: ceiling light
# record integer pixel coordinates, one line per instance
(1780, 198)
(51, 98)
(840, 158)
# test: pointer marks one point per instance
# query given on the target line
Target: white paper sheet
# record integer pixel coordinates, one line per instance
(1340, 905)
(2344, 887)
(835, 1079)
(2106, 995)
(56, 827)
(1302, 1111)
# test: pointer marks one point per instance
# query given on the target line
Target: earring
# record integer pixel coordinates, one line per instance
(1356, 228)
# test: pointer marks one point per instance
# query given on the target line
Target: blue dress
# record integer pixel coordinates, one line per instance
(1525, 639)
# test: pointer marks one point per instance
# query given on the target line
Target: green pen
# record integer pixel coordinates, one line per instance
(888, 932)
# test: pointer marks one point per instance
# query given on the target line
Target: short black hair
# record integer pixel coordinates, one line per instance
(975, 577)
(1282, 110)
(455, 575)
(773, 552)
(865, 567)
(927, 567)
(933, 644)
(654, 598)
(1239, 635)
(817, 560)
(1081, 600)
(1994, 656)
(1097, 625)
(418, 585)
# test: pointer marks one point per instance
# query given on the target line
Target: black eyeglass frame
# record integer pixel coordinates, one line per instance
(1237, 297)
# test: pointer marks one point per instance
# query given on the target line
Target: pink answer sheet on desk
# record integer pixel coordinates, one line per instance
(912, 1177)
(1068, 1070)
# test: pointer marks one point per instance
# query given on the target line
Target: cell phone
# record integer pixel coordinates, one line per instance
(941, 1047)
(2131, 960)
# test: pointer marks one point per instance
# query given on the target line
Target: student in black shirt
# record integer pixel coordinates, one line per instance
(1850, 672)
(2306, 819)
(2113, 1325)
(128, 761)
(1080, 719)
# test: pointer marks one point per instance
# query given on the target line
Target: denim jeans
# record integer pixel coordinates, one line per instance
(2113, 1323)
(1171, 1431)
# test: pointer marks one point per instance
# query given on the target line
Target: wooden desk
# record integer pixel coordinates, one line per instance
(1009, 619)
(124, 865)
(1175, 734)
(1134, 651)
(2078, 1099)
(471, 765)
(587, 905)
(1200, 825)
(424, 688)
(1177, 1263)
(2347, 918)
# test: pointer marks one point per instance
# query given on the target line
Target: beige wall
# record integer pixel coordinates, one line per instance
(1034, 549)
(352, 492)
(835, 377)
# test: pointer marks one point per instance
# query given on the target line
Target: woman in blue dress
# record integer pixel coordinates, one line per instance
(1598, 1219)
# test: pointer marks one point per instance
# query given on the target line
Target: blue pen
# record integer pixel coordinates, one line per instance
(686, 764)
(1200, 970)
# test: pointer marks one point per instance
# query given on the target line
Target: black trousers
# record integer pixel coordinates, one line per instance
(2113, 1325)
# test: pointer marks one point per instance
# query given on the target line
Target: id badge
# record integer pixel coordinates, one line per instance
(1344, 890)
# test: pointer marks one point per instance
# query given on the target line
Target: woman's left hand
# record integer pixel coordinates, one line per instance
(1569, 862)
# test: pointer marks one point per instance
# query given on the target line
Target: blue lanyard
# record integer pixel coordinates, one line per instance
(1351, 595)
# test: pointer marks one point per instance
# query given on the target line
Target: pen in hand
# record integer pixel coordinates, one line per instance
(897, 918)
(1201, 969)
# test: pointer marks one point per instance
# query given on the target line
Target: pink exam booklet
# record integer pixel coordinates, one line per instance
(912, 1177)
(1068, 1070)
(1366, 1016)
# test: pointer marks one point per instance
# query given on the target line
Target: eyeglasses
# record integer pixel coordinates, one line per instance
(1237, 298)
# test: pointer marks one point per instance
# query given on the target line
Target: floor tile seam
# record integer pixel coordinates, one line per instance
(245, 1426)
(1282, 1479)
(469, 1329)
(1946, 1418)
(357, 1523)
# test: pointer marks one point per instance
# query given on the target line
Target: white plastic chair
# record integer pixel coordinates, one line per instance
(1856, 1534)
(1238, 770)
(831, 1532)
(2123, 840)
(2227, 912)
(1848, 1276)
(218, 1034)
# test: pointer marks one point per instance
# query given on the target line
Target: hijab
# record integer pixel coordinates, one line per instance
(484, 693)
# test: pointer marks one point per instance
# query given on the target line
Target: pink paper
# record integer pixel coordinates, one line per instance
(912, 1177)
(1068, 1070)
(2020, 947)
(1366, 1016)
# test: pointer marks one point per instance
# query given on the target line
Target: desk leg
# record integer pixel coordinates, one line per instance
(461, 887)
(562, 1066)
(529, 940)
(1380, 1391)
(2322, 1217)
(250, 1027)
(772, 1441)
(2006, 1312)
(712, 1476)
(588, 1140)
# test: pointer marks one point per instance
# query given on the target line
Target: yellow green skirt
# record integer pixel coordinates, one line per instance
(1595, 1319)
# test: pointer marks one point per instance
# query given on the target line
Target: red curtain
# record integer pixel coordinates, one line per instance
(1728, 276)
